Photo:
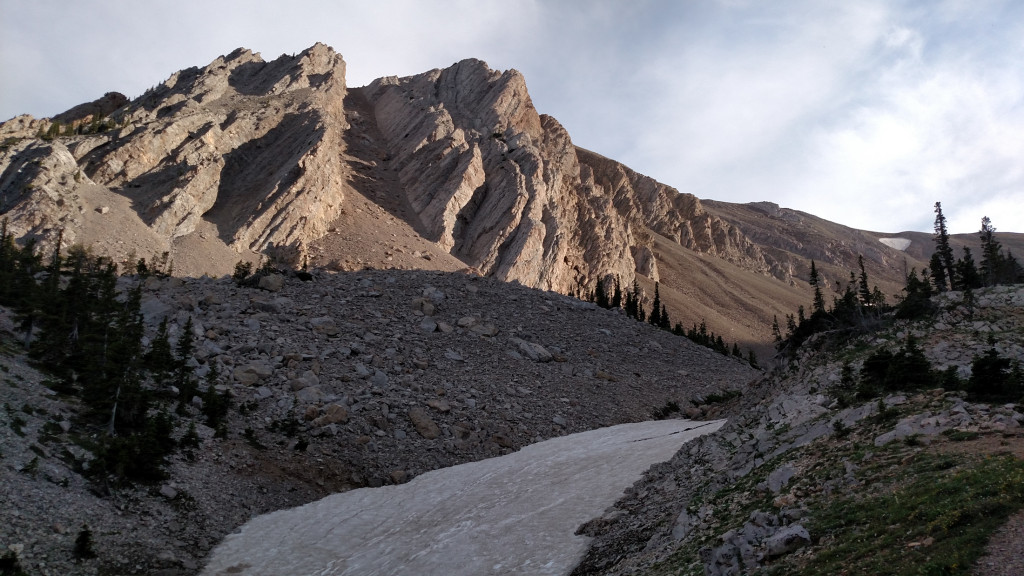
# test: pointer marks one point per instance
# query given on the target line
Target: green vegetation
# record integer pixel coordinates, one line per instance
(88, 336)
(937, 523)
(83, 544)
(862, 310)
(10, 565)
(904, 508)
(632, 303)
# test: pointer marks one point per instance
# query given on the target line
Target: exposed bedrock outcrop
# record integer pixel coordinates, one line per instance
(493, 181)
(259, 150)
(253, 146)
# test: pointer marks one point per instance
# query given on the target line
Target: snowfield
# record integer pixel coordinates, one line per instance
(513, 514)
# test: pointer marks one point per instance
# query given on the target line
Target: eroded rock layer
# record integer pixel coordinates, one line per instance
(259, 150)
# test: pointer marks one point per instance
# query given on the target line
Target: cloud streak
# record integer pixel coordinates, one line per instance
(863, 113)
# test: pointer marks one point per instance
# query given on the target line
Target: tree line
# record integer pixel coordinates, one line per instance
(863, 308)
(87, 334)
(608, 294)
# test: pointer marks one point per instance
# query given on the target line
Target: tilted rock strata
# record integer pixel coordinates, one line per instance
(253, 146)
(493, 181)
(259, 151)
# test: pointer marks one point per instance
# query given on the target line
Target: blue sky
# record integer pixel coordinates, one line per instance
(864, 113)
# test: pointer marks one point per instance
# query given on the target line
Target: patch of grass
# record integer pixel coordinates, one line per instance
(960, 435)
(720, 397)
(252, 439)
(670, 407)
(888, 532)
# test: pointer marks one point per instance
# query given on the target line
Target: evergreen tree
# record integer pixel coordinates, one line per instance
(83, 544)
(995, 378)
(818, 306)
(938, 272)
(183, 375)
(776, 333)
(863, 290)
(991, 256)
(942, 247)
(916, 301)
(617, 295)
(633, 305)
(159, 359)
(601, 294)
(655, 318)
(664, 323)
(967, 276)
(1012, 272)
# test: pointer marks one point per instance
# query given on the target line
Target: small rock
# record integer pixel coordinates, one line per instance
(272, 282)
(428, 325)
(311, 413)
(168, 491)
(333, 414)
(311, 395)
(324, 325)
(786, 540)
(440, 405)
(423, 423)
(532, 350)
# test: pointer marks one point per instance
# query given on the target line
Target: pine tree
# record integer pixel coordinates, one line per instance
(183, 376)
(159, 359)
(916, 301)
(776, 333)
(991, 257)
(617, 295)
(942, 247)
(967, 276)
(863, 290)
(664, 323)
(655, 318)
(601, 294)
(818, 306)
(83, 544)
(938, 272)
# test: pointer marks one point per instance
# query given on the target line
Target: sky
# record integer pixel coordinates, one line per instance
(864, 113)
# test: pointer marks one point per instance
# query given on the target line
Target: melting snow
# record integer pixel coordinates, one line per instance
(514, 514)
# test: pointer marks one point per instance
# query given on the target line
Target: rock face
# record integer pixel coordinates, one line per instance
(450, 169)
(252, 146)
(258, 151)
(495, 183)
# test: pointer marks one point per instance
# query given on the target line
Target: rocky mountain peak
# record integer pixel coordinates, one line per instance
(244, 159)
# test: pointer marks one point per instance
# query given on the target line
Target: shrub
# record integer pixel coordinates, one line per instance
(83, 544)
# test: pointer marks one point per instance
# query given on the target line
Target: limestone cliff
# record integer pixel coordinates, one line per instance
(252, 146)
(272, 157)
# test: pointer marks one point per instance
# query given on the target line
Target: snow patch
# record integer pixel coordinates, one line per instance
(900, 244)
(514, 514)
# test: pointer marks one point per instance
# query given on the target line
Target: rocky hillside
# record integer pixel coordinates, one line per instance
(345, 380)
(807, 477)
(245, 159)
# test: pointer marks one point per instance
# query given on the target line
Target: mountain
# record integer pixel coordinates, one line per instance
(246, 159)
(442, 221)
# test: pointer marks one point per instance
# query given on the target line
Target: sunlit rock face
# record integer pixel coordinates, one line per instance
(514, 514)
